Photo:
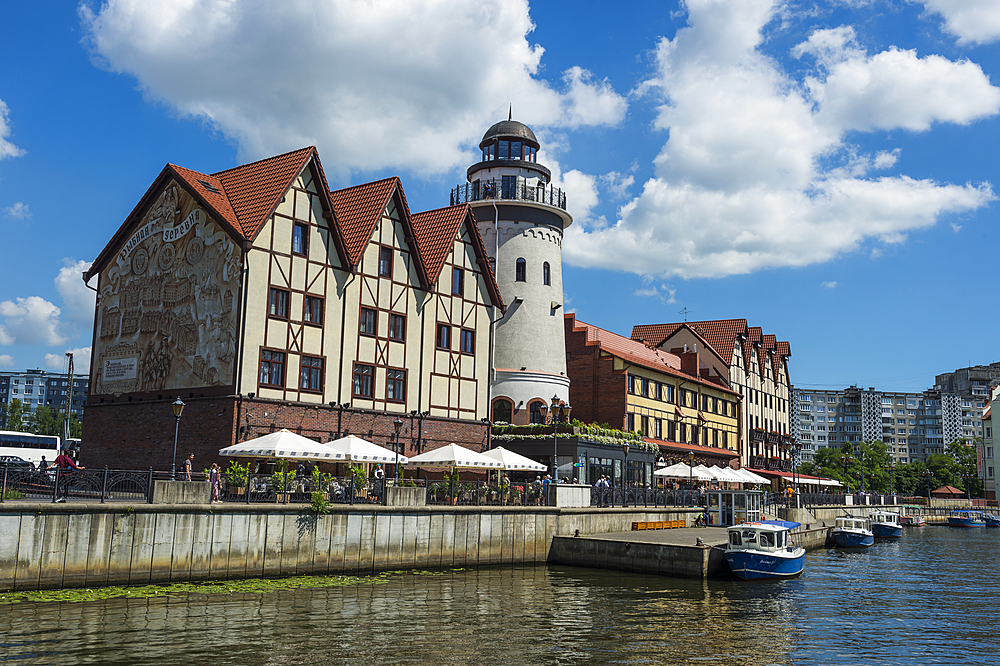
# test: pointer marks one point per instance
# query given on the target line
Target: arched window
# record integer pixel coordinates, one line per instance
(520, 271)
(503, 411)
(535, 414)
(546, 274)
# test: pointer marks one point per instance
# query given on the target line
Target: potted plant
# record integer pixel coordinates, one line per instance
(281, 480)
(237, 476)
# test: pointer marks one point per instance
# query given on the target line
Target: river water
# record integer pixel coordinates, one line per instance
(928, 598)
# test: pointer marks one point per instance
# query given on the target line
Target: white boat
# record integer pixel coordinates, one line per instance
(764, 549)
(851, 532)
(886, 525)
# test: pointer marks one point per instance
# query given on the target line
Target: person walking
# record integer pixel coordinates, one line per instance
(64, 473)
(214, 475)
(186, 468)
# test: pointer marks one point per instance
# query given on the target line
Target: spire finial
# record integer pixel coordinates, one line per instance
(510, 113)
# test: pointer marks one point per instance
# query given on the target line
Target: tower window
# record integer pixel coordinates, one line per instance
(505, 150)
(520, 271)
(535, 412)
(546, 274)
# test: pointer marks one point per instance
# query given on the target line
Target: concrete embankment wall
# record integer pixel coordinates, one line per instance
(48, 546)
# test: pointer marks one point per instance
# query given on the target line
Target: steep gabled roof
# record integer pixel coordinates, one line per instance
(635, 352)
(436, 232)
(242, 198)
(720, 334)
(359, 209)
(255, 189)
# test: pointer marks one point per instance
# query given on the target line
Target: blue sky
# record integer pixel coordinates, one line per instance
(825, 169)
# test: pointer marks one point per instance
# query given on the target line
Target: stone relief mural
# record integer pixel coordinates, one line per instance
(168, 305)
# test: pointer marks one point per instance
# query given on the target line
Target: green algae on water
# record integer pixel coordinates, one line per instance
(174, 590)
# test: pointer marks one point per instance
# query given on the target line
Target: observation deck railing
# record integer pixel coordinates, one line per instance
(516, 190)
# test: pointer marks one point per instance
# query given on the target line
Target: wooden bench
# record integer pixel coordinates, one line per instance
(657, 525)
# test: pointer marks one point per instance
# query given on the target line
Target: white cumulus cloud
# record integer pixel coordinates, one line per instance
(375, 85)
(756, 171)
(971, 21)
(830, 285)
(78, 300)
(31, 320)
(19, 211)
(7, 149)
(7, 361)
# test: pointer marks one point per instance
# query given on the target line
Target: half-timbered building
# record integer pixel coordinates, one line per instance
(264, 301)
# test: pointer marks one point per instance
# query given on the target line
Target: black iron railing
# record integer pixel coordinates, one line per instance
(645, 497)
(84, 485)
(513, 189)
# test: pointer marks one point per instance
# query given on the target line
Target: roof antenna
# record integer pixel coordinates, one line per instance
(510, 112)
(684, 312)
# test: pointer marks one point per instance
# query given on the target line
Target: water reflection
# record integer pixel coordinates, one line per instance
(912, 601)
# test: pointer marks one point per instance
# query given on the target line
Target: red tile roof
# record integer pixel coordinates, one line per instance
(255, 190)
(436, 232)
(697, 448)
(720, 334)
(636, 352)
(359, 209)
(245, 197)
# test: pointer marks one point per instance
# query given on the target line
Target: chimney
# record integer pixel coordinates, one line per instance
(689, 363)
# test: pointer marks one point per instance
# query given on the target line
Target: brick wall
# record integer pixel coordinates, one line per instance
(139, 435)
(597, 390)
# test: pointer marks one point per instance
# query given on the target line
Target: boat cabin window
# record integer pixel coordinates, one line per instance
(734, 539)
(779, 538)
(750, 536)
(767, 540)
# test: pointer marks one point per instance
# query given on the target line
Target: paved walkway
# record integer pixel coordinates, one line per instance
(683, 536)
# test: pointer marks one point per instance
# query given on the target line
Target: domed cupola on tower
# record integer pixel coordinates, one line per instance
(521, 218)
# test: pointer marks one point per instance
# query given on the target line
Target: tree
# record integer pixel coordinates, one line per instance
(14, 413)
(45, 422)
(965, 467)
(75, 427)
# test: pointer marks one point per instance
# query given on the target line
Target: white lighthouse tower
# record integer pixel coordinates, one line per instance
(521, 218)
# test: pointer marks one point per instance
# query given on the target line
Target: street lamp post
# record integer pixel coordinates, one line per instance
(691, 473)
(846, 460)
(927, 475)
(560, 412)
(178, 407)
(795, 469)
(861, 459)
(397, 426)
(625, 475)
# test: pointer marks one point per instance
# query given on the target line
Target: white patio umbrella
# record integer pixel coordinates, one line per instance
(727, 474)
(514, 461)
(751, 477)
(282, 444)
(361, 450)
(454, 455)
(682, 471)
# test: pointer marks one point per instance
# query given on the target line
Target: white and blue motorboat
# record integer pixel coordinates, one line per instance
(851, 532)
(886, 525)
(764, 549)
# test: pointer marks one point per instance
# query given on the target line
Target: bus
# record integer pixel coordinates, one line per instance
(29, 447)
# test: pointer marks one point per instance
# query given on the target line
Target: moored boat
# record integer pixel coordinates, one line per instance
(966, 518)
(913, 516)
(764, 549)
(885, 525)
(992, 520)
(851, 532)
